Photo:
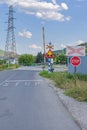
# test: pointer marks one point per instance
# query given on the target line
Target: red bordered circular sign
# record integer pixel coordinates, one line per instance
(75, 61)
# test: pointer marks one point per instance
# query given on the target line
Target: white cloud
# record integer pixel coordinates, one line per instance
(41, 9)
(76, 43)
(64, 6)
(9, 2)
(25, 34)
(52, 16)
(54, 1)
(79, 42)
(63, 46)
(34, 46)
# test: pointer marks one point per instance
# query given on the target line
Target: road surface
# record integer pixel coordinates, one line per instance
(28, 103)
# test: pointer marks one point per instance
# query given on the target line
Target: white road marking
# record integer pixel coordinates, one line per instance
(5, 84)
(37, 83)
(6, 79)
(17, 84)
(2, 82)
(27, 83)
(12, 81)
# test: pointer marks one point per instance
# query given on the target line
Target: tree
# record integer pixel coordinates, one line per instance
(26, 59)
(1, 62)
(60, 58)
(39, 57)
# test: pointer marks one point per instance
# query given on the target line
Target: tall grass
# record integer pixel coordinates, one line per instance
(75, 85)
(79, 92)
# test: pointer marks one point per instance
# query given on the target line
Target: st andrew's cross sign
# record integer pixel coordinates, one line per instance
(75, 51)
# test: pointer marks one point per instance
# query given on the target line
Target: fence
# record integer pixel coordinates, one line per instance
(82, 68)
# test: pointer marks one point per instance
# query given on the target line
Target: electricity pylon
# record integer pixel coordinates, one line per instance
(10, 47)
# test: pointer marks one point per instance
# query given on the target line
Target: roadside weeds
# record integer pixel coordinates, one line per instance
(77, 109)
(73, 97)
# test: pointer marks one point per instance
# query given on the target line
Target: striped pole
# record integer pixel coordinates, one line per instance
(49, 64)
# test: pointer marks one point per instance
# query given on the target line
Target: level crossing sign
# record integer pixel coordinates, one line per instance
(49, 54)
(75, 51)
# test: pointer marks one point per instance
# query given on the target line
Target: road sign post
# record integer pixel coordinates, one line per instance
(49, 55)
(75, 61)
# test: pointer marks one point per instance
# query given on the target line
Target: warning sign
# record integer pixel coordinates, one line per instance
(75, 51)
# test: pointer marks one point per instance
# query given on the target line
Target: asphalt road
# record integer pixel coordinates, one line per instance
(27, 102)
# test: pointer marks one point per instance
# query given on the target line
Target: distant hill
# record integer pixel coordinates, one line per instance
(83, 44)
(63, 51)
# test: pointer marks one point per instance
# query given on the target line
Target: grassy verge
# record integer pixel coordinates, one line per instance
(74, 88)
(5, 66)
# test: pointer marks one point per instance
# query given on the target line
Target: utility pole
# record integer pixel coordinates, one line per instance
(44, 44)
(10, 47)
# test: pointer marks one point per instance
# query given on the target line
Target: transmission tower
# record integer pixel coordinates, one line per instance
(10, 47)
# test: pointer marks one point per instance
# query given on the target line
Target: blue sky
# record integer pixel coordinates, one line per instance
(65, 23)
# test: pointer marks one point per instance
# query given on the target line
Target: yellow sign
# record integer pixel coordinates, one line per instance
(50, 53)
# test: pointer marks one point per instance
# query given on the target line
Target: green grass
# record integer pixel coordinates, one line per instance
(47, 74)
(5, 66)
(79, 93)
(74, 88)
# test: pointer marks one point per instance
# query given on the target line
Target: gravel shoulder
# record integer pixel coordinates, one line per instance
(77, 109)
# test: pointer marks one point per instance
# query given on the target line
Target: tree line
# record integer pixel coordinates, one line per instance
(28, 59)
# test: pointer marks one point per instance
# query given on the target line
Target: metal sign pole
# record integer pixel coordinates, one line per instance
(75, 75)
